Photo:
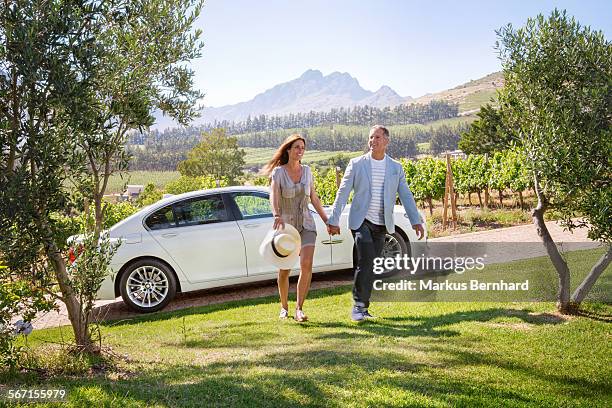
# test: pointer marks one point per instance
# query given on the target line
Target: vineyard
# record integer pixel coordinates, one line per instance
(499, 173)
(502, 172)
(504, 177)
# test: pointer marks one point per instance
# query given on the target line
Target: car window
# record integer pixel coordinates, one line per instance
(253, 205)
(160, 219)
(201, 210)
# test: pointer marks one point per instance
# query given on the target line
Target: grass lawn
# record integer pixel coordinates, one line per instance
(415, 354)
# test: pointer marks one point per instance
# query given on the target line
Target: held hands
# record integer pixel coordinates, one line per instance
(418, 228)
(278, 223)
(333, 229)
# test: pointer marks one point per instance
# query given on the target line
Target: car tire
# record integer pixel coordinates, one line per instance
(147, 285)
(394, 244)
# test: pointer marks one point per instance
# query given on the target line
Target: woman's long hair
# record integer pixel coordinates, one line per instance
(281, 156)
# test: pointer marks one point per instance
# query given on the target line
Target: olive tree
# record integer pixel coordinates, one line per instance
(74, 77)
(557, 99)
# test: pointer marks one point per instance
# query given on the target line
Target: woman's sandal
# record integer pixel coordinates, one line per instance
(300, 316)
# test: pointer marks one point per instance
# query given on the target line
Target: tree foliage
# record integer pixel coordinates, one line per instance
(74, 76)
(445, 138)
(217, 155)
(557, 99)
(185, 184)
(486, 134)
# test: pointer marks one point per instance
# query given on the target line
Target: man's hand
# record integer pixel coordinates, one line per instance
(333, 229)
(420, 231)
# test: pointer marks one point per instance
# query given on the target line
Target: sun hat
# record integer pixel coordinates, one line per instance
(281, 247)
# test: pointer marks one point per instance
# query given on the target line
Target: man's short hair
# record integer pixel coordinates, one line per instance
(376, 127)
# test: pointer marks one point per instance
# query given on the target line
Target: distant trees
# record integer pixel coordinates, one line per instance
(217, 155)
(359, 116)
(338, 129)
(446, 138)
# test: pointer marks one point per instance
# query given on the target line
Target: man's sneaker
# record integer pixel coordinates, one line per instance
(357, 314)
(284, 313)
(367, 315)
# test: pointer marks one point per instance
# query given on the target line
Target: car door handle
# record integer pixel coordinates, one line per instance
(332, 241)
(251, 225)
(169, 235)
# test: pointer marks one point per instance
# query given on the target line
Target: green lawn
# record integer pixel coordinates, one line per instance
(416, 354)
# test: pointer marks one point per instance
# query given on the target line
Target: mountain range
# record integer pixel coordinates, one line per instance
(313, 91)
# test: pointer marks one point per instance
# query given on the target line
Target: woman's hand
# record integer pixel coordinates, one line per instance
(278, 223)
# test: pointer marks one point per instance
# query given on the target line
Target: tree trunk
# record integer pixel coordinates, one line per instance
(486, 198)
(469, 199)
(78, 321)
(583, 289)
(479, 199)
(501, 198)
(520, 194)
(563, 294)
(430, 201)
(73, 306)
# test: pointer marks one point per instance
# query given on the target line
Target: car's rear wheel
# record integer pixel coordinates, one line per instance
(394, 245)
(147, 285)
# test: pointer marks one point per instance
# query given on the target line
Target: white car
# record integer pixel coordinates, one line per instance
(211, 238)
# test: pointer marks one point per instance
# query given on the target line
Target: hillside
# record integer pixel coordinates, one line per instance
(470, 95)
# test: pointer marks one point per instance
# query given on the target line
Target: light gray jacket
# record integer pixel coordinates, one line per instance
(358, 177)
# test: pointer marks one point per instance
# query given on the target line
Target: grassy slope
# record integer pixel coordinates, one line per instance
(160, 178)
(470, 95)
(259, 156)
(417, 354)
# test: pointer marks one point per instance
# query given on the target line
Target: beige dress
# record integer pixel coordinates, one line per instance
(293, 201)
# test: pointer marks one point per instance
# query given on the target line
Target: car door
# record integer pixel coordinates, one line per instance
(254, 215)
(205, 241)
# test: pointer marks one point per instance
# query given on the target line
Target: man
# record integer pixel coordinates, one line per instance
(376, 180)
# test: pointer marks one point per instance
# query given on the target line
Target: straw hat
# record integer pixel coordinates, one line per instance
(282, 247)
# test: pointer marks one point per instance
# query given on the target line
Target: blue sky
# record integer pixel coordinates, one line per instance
(415, 47)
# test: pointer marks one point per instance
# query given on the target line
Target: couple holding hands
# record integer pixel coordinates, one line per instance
(376, 180)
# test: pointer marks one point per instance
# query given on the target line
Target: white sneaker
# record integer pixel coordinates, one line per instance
(284, 313)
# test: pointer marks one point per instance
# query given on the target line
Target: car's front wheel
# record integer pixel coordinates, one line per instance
(147, 285)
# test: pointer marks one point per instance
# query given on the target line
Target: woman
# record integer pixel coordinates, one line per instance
(291, 190)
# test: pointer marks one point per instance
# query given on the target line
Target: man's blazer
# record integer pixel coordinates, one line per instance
(358, 177)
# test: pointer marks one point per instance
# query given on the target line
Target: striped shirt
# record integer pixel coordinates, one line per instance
(376, 213)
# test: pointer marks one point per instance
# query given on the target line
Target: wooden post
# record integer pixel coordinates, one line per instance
(486, 192)
(338, 178)
(449, 194)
